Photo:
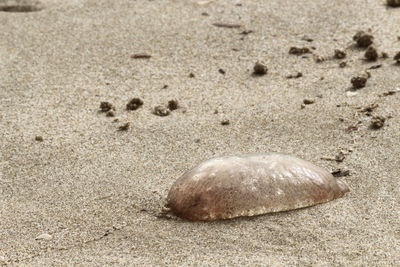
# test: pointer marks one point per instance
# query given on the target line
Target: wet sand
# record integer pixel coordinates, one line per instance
(95, 191)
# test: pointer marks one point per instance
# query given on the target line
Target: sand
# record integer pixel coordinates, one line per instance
(88, 194)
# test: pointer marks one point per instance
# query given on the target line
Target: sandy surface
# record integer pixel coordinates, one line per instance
(96, 190)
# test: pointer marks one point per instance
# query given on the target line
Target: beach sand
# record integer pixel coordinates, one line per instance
(89, 194)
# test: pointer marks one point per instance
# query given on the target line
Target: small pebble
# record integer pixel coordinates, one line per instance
(39, 138)
(225, 122)
(318, 59)
(339, 54)
(358, 82)
(343, 64)
(110, 113)
(377, 122)
(295, 76)
(308, 101)
(161, 111)
(363, 39)
(351, 93)
(371, 54)
(259, 69)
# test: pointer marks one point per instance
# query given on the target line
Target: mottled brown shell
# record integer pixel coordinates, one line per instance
(248, 185)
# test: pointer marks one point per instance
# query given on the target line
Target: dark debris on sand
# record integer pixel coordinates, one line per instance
(294, 76)
(39, 138)
(110, 113)
(391, 92)
(259, 69)
(374, 67)
(340, 173)
(298, 51)
(363, 39)
(393, 3)
(225, 122)
(377, 122)
(124, 127)
(227, 25)
(397, 57)
(369, 109)
(308, 101)
(141, 55)
(358, 82)
(134, 104)
(339, 54)
(371, 54)
(106, 106)
(307, 39)
(173, 104)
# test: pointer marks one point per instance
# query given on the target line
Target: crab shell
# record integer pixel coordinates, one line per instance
(249, 185)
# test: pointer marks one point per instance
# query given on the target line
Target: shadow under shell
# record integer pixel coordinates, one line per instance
(248, 185)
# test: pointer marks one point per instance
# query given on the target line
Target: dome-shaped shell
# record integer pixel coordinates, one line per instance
(249, 185)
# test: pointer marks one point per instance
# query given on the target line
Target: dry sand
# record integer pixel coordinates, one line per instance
(96, 190)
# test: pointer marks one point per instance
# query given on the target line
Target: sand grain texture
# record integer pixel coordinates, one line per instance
(96, 190)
